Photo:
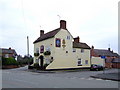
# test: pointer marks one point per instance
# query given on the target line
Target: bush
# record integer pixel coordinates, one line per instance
(47, 53)
(9, 61)
(36, 54)
(36, 65)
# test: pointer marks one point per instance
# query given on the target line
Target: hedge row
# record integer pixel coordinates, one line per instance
(9, 61)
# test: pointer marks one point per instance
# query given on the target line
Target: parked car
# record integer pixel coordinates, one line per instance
(96, 67)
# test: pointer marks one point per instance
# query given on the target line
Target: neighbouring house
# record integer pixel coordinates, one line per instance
(58, 49)
(116, 63)
(106, 57)
(7, 53)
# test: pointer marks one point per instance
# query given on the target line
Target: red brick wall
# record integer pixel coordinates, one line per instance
(116, 65)
(108, 65)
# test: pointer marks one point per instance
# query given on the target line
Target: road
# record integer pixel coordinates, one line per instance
(22, 78)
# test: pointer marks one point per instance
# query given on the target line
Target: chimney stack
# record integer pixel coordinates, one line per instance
(10, 48)
(77, 39)
(62, 24)
(92, 47)
(108, 49)
(41, 32)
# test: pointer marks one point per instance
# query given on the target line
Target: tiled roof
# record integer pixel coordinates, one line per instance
(9, 51)
(80, 45)
(116, 60)
(47, 35)
(115, 54)
(104, 52)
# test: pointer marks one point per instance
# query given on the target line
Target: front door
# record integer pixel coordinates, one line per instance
(41, 62)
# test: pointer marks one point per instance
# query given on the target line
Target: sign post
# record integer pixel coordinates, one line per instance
(103, 57)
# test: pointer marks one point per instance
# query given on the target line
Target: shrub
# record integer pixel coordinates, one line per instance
(36, 54)
(9, 61)
(47, 53)
(36, 65)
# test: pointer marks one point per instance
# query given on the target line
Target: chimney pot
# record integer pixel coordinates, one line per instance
(62, 24)
(41, 32)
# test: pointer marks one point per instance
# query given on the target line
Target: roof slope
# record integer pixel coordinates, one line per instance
(116, 60)
(8, 51)
(47, 35)
(104, 52)
(80, 45)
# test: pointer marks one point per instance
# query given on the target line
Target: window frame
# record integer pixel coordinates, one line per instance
(86, 63)
(79, 60)
(82, 50)
(41, 48)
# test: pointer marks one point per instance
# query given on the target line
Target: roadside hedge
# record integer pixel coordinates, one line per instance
(9, 61)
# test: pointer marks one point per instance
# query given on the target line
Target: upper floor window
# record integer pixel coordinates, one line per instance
(68, 37)
(6, 55)
(58, 42)
(82, 50)
(47, 48)
(37, 50)
(41, 49)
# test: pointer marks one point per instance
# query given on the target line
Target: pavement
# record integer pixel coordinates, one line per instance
(108, 76)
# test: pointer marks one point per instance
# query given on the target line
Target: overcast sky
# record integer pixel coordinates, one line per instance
(94, 21)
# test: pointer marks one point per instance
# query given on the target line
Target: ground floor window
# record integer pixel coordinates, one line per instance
(79, 62)
(86, 61)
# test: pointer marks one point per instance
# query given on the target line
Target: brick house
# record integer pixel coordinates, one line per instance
(7, 53)
(110, 56)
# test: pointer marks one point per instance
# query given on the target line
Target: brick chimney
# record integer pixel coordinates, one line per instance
(41, 32)
(92, 47)
(62, 24)
(77, 39)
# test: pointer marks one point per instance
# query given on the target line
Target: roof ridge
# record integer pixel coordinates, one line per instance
(52, 31)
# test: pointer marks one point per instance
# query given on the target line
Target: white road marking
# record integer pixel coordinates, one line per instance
(82, 78)
(98, 79)
(90, 78)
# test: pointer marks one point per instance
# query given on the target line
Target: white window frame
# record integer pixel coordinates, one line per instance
(79, 60)
(37, 50)
(87, 62)
(68, 37)
(82, 50)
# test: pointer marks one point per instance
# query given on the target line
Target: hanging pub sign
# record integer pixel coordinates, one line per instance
(63, 43)
(58, 42)
(42, 49)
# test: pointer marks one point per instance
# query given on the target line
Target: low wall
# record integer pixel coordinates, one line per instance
(10, 67)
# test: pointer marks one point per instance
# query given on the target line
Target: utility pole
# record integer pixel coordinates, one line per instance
(28, 49)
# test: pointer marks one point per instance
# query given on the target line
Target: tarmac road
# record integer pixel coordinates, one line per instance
(22, 78)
